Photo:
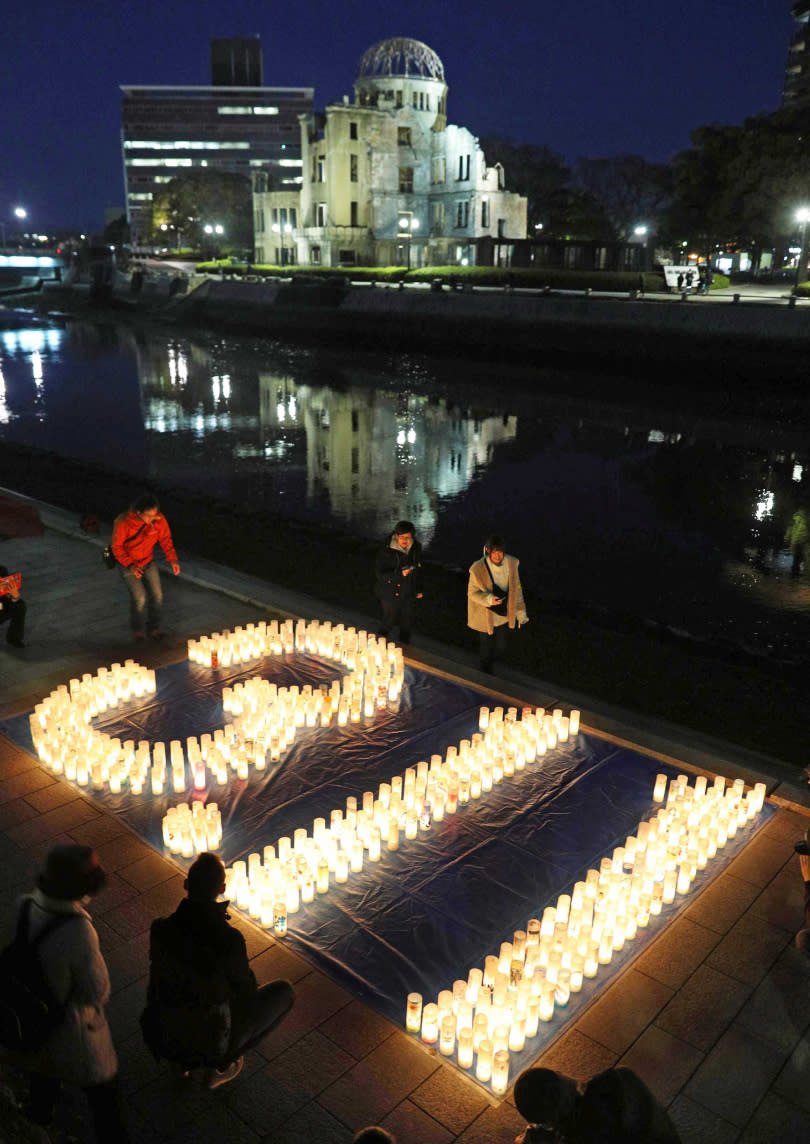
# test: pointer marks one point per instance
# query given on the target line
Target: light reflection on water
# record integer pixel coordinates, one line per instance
(608, 504)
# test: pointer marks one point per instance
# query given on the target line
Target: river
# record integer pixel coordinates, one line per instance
(669, 507)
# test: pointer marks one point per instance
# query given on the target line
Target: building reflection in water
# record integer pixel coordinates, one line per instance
(378, 456)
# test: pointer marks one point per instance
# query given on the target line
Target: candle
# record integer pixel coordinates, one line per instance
(413, 1013)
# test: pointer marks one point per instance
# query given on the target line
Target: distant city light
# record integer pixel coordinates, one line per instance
(764, 506)
(798, 471)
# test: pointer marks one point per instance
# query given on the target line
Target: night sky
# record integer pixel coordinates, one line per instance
(590, 79)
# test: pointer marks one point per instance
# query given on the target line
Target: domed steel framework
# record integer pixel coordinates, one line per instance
(399, 57)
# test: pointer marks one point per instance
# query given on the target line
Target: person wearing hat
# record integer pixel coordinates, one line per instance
(802, 848)
(80, 1050)
(494, 601)
(398, 580)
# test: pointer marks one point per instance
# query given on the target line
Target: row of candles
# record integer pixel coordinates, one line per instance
(271, 885)
(484, 1018)
(344, 645)
(264, 717)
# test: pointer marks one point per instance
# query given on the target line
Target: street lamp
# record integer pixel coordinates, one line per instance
(281, 231)
(407, 225)
(641, 234)
(802, 215)
(19, 213)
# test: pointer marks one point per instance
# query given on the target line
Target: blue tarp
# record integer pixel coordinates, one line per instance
(422, 916)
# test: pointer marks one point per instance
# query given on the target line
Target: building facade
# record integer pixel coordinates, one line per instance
(167, 131)
(386, 181)
(796, 91)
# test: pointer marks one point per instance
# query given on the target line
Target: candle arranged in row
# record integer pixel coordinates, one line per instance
(191, 827)
(497, 1007)
(294, 870)
(264, 717)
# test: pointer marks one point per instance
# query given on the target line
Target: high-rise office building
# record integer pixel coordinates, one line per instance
(796, 91)
(228, 126)
(237, 62)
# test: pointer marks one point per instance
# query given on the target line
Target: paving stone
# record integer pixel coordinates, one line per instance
(274, 961)
(316, 1000)
(17, 810)
(788, 825)
(749, 949)
(23, 783)
(735, 1076)
(47, 826)
(677, 952)
(309, 1066)
(98, 831)
(220, 1124)
(407, 1122)
(450, 1098)
(357, 1029)
(698, 1125)
(761, 859)
(137, 1066)
(625, 1010)
(357, 1099)
(170, 1108)
(257, 939)
(311, 1123)
(704, 1007)
(125, 1007)
(128, 961)
(792, 1081)
(116, 891)
(577, 1056)
(722, 903)
(665, 1063)
(147, 872)
(777, 1119)
(121, 850)
(404, 1056)
(781, 903)
(14, 760)
(779, 1009)
(498, 1125)
(46, 798)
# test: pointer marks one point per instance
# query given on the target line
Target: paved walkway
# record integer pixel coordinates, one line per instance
(715, 1015)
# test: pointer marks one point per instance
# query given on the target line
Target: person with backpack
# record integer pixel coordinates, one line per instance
(135, 536)
(204, 1009)
(58, 957)
(495, 603)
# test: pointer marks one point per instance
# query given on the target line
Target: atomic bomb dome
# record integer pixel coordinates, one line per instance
(386, 181)
(400, 57)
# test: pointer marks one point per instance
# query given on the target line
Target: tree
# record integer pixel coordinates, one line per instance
(623, 191)
(742, 185)
(198, 199)
(537, 172)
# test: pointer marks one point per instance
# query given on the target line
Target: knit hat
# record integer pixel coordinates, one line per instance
(71, 872)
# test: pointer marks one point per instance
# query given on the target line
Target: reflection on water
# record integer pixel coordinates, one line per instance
(613, 504)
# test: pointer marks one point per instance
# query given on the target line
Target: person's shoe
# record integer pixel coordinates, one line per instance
(803, 845)
(139, 637)
(156, 634)
(217, 1077)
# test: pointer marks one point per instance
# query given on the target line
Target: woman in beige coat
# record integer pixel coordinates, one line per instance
(494, 600)
(80, 1051)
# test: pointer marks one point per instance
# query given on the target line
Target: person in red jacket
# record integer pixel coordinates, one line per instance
(135, 534)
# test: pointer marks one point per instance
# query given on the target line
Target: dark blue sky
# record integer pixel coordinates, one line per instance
(593, 78)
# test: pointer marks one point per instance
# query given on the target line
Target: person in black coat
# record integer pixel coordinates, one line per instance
(398, 580)
(12, 609)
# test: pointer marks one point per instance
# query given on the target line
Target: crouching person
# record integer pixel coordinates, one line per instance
(204, 1009)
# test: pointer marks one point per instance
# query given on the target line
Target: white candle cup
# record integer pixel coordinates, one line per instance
(413, 1013)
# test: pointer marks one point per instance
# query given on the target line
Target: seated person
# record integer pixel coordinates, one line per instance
(548, 1101)
(12, 610)
(616, 1107)
(204, 1008)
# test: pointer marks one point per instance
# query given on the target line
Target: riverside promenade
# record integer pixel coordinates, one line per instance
(715, 1015)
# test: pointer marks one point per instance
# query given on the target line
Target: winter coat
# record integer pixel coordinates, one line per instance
(133, 540)
(480, 596)
(389, 583)
(199, 965)
(80, 1051)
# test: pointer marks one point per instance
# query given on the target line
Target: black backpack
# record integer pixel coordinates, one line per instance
(29, 1011)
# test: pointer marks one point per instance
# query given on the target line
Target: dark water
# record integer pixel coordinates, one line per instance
(617, 498)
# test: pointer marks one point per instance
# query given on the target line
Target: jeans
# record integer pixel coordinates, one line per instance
(145, 597)
(14, 612)
(490, 646)
(399, 613)
(253, 1017)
